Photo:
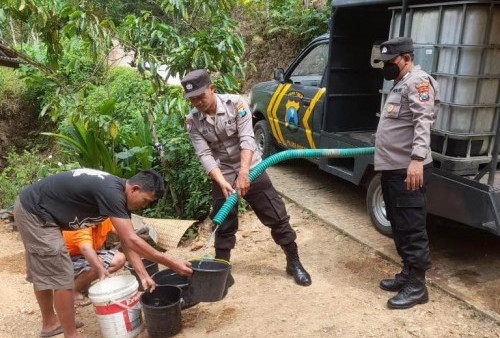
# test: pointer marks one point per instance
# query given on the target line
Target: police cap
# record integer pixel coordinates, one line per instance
(195, 82)
(394, 47)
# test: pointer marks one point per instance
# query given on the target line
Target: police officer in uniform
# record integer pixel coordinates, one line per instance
(403, 156)
(220, 129)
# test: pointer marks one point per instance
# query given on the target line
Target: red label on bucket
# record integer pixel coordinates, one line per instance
(114, 308)
(120, 318)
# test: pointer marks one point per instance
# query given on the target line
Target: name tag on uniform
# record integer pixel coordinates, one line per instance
(230, 121)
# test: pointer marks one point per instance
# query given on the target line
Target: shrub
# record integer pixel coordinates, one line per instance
(19, 107)
(189, 185)
(273, 39)
(26, 168)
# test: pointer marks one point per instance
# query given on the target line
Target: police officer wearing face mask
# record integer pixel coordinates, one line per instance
(403, 156)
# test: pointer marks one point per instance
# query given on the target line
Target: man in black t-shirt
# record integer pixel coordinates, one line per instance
(72, 200)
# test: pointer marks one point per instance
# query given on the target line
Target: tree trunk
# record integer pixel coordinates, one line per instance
(13, 31)
(34, 36)
(164, 164)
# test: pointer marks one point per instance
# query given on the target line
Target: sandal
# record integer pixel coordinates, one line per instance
(81, 302)
(58, 330)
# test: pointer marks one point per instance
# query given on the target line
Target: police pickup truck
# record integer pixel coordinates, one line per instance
(332, 93)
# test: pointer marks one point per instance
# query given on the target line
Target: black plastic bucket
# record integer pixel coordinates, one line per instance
(162, 311)
(170, 277)
(151, 269)
(208, 282)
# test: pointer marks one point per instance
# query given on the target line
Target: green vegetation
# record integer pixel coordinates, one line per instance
(20, 106)
(276, 30)
(298, 23)
(25, 168)
(111, 135)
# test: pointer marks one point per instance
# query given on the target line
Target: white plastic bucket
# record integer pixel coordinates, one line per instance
(116, 304)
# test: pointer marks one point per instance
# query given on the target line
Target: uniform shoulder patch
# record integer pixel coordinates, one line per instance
(189, 125)
(423, 91)
(422, 84)
(240, 109)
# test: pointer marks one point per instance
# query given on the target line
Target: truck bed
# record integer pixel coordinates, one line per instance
(496, 182)
(367, 138)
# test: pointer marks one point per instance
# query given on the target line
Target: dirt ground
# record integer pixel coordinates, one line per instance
(343, 301)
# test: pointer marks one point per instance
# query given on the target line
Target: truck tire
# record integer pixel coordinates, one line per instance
(376, 207)
(264, 139)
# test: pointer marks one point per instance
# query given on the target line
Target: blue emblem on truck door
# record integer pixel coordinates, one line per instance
(292, 115)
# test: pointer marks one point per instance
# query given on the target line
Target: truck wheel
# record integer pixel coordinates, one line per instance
(264, 139)
(376, 207)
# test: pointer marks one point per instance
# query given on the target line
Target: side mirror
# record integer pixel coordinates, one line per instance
(375, 54)
(279, 74)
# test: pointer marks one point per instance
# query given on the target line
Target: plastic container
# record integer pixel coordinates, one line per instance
(116, 304)
(208, 281)
(162, 311)
(170, 277)
(151, 269)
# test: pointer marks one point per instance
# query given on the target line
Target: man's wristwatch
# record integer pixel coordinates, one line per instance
(417, 158)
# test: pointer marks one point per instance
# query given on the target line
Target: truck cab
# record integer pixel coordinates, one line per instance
(332, 93)
(302, 93)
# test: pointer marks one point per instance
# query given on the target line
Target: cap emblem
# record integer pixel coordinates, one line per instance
(189, 86)
(384, 50)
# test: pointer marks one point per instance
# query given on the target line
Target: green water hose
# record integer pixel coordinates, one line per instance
(283, 156)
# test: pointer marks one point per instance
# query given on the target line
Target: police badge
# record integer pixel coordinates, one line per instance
(239, 108)
(189, 125)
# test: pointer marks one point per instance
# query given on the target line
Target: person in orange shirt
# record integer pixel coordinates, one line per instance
(90, 260)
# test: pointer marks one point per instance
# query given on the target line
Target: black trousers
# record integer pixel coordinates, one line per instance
(407, 212)
(267, 205)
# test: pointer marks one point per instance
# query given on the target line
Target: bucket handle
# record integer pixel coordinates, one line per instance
(210, 258)
(136, 307)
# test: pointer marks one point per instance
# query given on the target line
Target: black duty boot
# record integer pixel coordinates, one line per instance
(294, 267)
(229, 283)
(229, 280)
(225, 254)
(413, 293)
(398, 282)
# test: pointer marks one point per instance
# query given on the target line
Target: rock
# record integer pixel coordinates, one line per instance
(27, 311)
(197, 245)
